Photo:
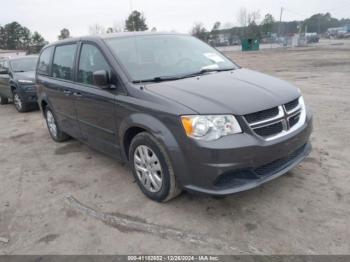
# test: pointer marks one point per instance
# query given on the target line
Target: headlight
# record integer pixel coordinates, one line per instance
(25, 81)
(210, 127)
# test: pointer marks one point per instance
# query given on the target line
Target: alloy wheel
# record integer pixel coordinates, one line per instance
(51, 124)
(18, 102)
(148, 168)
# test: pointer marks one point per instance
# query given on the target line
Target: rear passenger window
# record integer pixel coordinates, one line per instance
(62, 66)
(91, 60)
(44, 61)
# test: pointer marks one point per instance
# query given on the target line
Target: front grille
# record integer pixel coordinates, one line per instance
(294, 120)
(269, 130)
(292, 104)
(274, 122)
(261, 115)
(279, 164)
(30, 88)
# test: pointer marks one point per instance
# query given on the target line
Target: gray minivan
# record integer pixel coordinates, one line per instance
(17, 76)
(181, 113)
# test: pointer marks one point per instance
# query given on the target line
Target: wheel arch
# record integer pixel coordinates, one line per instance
(12, 88)
(141, 122)
(43, 103)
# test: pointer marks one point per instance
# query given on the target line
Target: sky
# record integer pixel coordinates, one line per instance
(49, 17)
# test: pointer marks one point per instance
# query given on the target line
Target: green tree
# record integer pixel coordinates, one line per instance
(199, 31)
(136, 22)
(320, 23)
(64, 33)
(37, 39)
(15, 36)
(253, 31)
(267, 24)
(2, 38)
(37, 43)
(216, 26)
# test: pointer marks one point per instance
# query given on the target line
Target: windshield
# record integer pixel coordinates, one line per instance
(24, 64)
(156, 56)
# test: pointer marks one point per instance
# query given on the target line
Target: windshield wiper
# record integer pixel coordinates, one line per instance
(177, 77)
(204, 71)
(208, 70)
(158, 79)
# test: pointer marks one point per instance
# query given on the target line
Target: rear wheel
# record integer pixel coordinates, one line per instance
(18, 101)
(152, 168)
(3, 100)
(55, 132)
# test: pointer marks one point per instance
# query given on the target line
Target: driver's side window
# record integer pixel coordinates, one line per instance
(91, 60)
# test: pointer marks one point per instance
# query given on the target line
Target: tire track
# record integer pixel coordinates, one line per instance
(128, 223)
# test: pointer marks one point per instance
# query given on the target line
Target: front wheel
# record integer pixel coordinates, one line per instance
(55, 132)
(20, 105)
(152, 168)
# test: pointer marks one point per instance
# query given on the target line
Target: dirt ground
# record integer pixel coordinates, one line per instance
(68, 199)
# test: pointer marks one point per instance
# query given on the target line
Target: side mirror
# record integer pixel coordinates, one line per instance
(4, 71)
(100, 79)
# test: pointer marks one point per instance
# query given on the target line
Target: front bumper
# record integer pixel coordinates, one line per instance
(28, 93)
(241, 162)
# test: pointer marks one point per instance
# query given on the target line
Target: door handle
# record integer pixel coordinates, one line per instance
(77, 94)
(67, 92)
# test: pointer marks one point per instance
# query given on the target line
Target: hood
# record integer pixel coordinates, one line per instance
(24, 75)
(238, 92)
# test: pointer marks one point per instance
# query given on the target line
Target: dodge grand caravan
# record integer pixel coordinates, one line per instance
(17, 82)
(182, 114)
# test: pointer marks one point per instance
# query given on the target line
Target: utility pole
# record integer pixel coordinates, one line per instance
(279, 27)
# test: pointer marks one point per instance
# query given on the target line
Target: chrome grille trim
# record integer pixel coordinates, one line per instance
(283, 116)
(295, 109)
(268, 120)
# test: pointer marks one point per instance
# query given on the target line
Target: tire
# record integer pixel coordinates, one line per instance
(54, 130)
(162, 191)
(3, 100)
(18, 102)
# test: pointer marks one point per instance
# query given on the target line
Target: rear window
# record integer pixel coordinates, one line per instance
(44, 61)
(63, 60)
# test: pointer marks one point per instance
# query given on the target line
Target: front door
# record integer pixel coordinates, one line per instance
(95, 106)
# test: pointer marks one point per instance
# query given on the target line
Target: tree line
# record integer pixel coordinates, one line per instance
(250, 27)
(14, 36)
(136, 21)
